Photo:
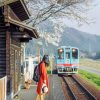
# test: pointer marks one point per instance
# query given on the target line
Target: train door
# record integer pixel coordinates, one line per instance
(67, 57)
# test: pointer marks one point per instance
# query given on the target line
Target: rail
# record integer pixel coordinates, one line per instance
(72, 93)
(76, 89)
(87, 92)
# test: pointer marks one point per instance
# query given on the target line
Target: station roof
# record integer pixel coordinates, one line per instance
(6, 2)
(26, 28)
(20, 10)
(18, 7)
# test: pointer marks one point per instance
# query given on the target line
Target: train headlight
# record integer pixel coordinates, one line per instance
(73, 50)
(60, 50)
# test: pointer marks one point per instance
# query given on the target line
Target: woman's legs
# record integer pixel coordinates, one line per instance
(40, 97)
(37, 97)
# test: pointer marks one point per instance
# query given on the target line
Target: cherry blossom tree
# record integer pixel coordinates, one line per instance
(43, 9)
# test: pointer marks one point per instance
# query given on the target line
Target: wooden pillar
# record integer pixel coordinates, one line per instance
(7, 42)
(9, 79)
(8, 54)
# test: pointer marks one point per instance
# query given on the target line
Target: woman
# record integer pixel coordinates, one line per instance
(42, 86)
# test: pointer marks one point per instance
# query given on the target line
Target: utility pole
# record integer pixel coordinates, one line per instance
(39, 45)
(38, 54)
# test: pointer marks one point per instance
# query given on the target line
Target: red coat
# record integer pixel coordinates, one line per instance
(43, 76)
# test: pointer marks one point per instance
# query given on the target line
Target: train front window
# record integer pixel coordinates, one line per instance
(60, 53)
(74, 53)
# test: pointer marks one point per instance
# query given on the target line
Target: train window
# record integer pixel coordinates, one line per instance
(60, 54)
(67, 48)
(74, 53)
(67, 55)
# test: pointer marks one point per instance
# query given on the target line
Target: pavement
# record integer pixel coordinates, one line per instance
(28, 94)
(55, 91)
(31, 93)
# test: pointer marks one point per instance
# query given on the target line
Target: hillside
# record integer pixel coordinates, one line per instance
(70, 36)
(82, 40)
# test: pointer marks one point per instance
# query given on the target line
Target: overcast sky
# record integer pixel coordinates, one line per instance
(94, 13)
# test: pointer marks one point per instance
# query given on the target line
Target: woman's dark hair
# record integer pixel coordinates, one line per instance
(46, 59)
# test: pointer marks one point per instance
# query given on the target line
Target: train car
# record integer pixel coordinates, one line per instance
(67, 60)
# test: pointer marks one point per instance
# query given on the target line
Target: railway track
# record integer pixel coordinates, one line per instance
(75, 90)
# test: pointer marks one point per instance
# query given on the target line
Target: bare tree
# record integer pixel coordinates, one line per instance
(44, 9)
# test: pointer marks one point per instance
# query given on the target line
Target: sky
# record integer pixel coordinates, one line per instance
(94, 13)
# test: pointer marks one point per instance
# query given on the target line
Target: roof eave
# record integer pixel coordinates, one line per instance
(26, 27)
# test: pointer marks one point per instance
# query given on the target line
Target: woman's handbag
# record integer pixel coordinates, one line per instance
(44, 88)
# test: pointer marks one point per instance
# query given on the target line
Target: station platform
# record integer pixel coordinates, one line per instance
(55, 90)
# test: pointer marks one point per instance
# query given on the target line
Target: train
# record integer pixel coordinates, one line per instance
(67, 60)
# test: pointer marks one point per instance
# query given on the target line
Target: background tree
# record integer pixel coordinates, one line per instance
(45, 12)
(44, 9)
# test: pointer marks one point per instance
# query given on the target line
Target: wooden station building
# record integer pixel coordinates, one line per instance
(13, 32)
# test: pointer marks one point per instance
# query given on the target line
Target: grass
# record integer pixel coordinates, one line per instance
(93, 78)
(90, 63)
(49, 68)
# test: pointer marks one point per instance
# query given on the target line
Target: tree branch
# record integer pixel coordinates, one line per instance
(53, 9)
